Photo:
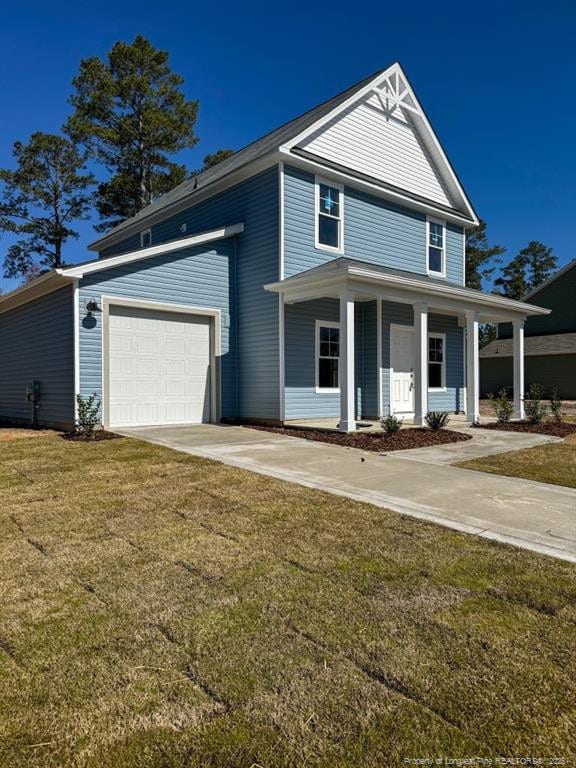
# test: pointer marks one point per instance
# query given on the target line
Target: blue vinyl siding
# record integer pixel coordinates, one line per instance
(37, 342)
(302, 401)
(254, 331)
(202, 276)
(402, 314)
(131, 243)
(375, 231)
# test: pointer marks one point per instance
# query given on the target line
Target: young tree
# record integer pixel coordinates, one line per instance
(481, 257)
(40, 201)
(131, 114)
(527, 270)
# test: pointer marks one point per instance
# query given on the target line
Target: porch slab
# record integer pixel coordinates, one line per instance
(524, 513)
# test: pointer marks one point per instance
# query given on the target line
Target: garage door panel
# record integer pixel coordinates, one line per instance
(159, 367)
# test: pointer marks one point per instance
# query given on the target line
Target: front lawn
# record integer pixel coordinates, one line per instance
(553, 463)
(163, 610)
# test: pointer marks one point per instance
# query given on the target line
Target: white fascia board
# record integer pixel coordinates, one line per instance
(483, 299)
(145, 253)
(375, 189)
(334, 274)
(357, 97)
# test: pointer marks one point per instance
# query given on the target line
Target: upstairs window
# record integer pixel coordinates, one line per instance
(436, 239)
(327, 356)
(436, 361)
(146, 238)
(329, 198)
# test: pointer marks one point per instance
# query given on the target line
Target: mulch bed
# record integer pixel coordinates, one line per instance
(100, 434)
(418, 437)
(545, 428)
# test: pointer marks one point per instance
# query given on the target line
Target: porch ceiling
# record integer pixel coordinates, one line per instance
(368, 282)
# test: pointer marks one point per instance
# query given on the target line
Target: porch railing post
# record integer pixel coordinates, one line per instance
(518, 343)
(421, 363)
(472, 367)
(347, 410)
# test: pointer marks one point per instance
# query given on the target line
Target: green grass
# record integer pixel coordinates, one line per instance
(553, 463)
(163, 610)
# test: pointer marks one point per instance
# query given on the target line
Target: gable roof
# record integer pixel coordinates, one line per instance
(58, 278)
(551, 279)
(548, 344)
(390, 83)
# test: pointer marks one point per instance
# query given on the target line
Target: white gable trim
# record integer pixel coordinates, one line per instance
(405, 100)
(145, 253)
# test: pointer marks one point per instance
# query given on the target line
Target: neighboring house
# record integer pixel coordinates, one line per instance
(319, 272)
(550, 341)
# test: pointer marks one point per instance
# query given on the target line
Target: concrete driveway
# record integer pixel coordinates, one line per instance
(532, 515)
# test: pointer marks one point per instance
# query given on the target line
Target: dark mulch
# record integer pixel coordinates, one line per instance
(100, 434)
(545, 428)
(418, 437)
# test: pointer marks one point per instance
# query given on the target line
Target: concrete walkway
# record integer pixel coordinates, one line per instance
(532, 515)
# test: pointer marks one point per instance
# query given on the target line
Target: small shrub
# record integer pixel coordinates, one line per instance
(391, 424)
(437, 419)
(534, 407)
(556, 406)
(88, 414)
(502, 406)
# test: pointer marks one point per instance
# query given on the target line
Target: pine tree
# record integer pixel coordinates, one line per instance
(481, 257)
(41, 199)
(131, 115)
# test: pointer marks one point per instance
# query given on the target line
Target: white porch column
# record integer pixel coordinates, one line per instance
(420, 363)
(518, 354)
(472, 367)
(347, 410)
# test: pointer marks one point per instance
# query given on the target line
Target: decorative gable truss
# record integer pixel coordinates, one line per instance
(382, 134)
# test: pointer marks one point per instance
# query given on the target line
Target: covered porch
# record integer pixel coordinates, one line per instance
(424, 305)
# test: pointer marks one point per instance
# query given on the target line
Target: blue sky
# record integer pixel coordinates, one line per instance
(497, 81)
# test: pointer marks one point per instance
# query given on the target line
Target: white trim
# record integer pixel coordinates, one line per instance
(334, 273)
(346, 366)
(551, 279)
(518, 367)
(155, 250)
(472, 367)
(394, 327)
(419, 118)
(438, 335)
(281, 220)
(377, 190)
(142, 235)
(379, 356)
(324, 390)
(215, 346)
(281, 324)
(318, 180)
(442, 223)
(76, 320)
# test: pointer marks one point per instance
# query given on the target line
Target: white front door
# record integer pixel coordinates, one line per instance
(159, 367)
(402, 369)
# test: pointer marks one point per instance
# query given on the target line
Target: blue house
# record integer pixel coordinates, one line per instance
(317, 273)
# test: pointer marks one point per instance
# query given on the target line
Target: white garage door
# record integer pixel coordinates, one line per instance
(159, 367)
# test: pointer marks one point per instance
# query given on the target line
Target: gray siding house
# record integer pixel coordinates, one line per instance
(550, 346)
(317, 273)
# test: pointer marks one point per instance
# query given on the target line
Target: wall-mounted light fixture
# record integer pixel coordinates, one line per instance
(91, 306)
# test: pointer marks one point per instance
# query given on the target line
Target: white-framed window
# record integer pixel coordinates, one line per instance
(329, 215)
(146, 238)
(327, 356)
(436, 247)
(436, 361)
